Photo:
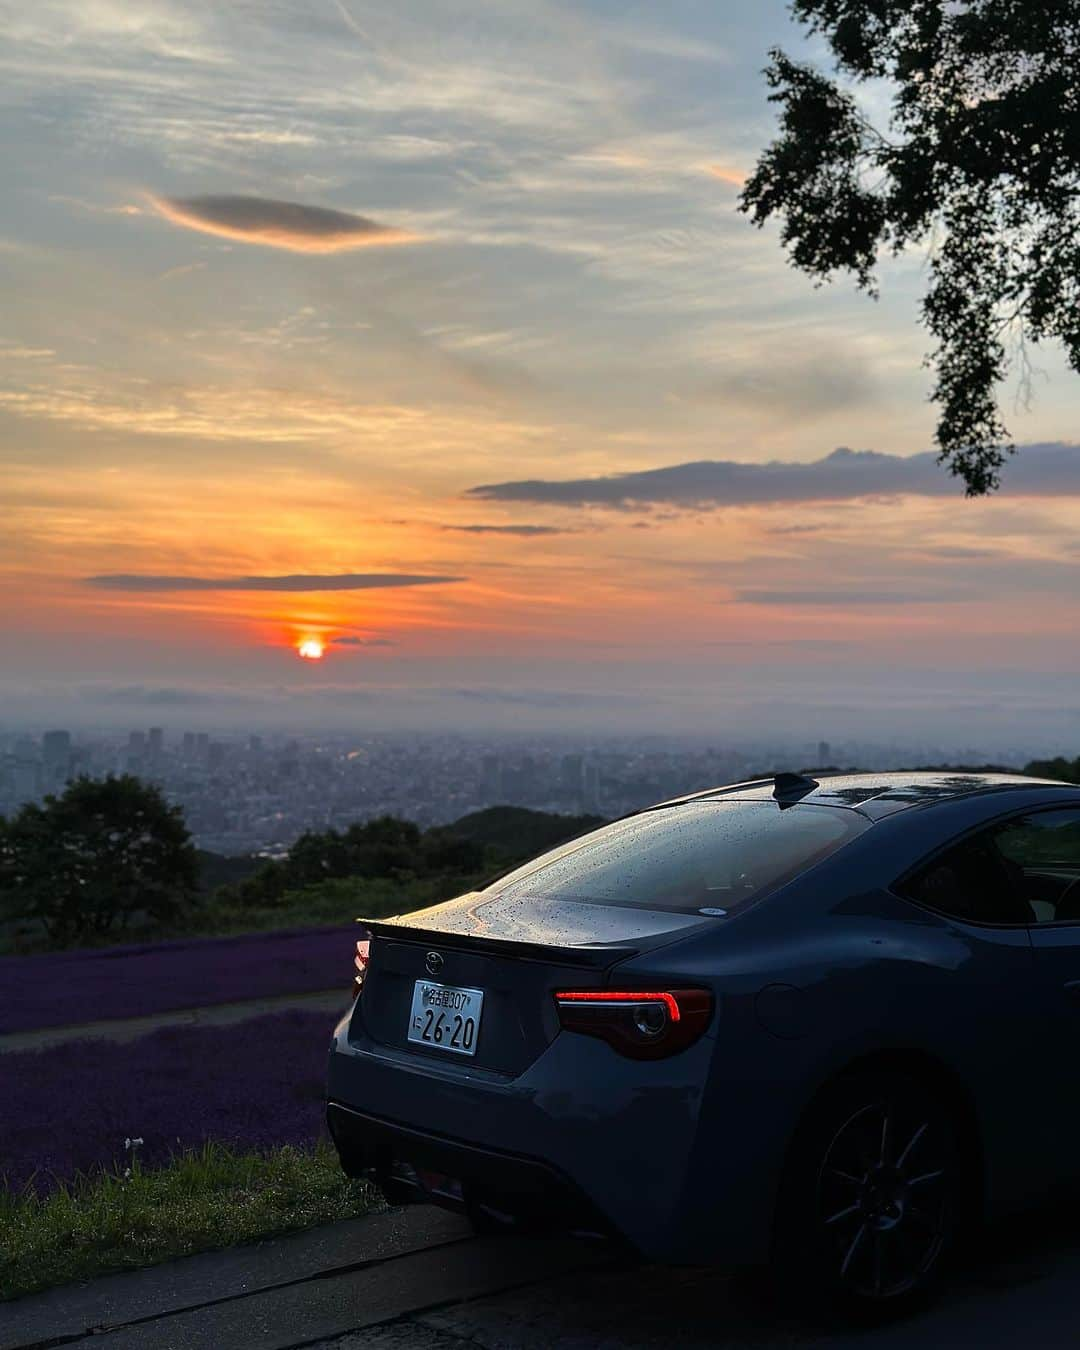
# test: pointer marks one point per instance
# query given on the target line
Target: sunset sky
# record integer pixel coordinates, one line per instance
(393, 327)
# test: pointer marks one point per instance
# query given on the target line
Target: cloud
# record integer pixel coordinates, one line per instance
(542, 698)
(349, 640)
(278, 224)
(781, 380)
(813, 644)
(525, 531)
(156, 697)
(1051, 469)
(183, 271)
(955, 552)
(26, 353)
(348, 581)
(97, 208)
(730, 176)
(845, 599)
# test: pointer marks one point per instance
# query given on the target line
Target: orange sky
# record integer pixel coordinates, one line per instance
(280, 294)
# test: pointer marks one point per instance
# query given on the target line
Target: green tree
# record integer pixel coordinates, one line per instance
(386, 849)
(980, 160)
(94, 856)
(1067, 770)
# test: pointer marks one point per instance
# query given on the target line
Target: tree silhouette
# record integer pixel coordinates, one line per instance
(95, 856)
(980, 160)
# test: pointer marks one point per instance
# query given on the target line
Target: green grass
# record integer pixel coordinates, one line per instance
(328, 904)
(215, 1198)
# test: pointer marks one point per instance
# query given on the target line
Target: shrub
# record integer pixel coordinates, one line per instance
(95, 855)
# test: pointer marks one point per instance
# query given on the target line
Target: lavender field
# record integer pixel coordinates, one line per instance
(67, 988)
(69, 1109)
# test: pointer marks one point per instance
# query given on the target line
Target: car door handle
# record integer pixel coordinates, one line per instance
(1072, 990)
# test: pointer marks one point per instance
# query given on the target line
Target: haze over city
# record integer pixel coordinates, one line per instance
(478, 384)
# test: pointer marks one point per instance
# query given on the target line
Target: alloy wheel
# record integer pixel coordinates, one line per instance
(884, 1193)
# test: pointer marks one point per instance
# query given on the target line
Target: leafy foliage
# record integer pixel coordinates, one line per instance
(514, 833)
(93, 857)
(389, 849)
(224, 869)
(1068, 770)
(982, 154)
(383, 848)
(380, 867)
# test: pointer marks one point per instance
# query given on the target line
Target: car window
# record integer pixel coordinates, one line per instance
(971, 881)
(716, 856)
(1042, 852)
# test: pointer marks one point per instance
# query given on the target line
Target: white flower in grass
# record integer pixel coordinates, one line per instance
(134, 1143)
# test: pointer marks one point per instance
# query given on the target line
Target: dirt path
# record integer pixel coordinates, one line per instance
(131, 1028)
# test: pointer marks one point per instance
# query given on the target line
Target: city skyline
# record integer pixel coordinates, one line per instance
(252, 793)
(479, 384)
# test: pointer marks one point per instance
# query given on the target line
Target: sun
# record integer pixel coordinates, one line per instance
(311, 649)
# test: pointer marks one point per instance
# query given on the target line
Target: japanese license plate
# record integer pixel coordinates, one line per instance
(445, 1017)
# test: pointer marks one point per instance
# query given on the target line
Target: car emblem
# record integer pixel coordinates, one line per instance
(434, 963)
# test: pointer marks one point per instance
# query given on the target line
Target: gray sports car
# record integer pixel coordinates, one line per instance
(820, 1023)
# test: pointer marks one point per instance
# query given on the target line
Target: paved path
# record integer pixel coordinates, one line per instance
(418, 1280)
(219, 1014)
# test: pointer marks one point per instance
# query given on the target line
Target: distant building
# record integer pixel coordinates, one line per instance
(824, 754)
(526, 779)
(25, 770)
(572, 777)
(55, 758)
(492, 783)
(591, 796)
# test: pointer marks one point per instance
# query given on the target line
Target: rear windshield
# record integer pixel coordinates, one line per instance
(712, 856)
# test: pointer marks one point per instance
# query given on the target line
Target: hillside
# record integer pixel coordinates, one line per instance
(517, 833)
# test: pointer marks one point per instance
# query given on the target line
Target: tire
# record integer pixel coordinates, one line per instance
(872, 1200)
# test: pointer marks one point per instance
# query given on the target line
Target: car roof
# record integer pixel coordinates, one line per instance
(880, 794)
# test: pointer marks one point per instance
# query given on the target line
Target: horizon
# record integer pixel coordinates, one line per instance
(850, 749)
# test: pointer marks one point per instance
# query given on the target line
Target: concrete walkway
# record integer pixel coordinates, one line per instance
(289, 1292)
(131, 1028)
(419, 1280)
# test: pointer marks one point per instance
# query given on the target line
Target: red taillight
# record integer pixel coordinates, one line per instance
(641, 1023)
(360, 961)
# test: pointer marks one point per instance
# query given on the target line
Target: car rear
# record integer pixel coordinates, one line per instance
(540, 1050)
(533, 1125)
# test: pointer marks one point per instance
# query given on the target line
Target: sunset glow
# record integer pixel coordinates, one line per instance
(477, 395)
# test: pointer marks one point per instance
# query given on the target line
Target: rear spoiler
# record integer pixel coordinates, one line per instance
(595, 956)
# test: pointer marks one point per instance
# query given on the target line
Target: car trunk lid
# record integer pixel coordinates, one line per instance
(516, 954)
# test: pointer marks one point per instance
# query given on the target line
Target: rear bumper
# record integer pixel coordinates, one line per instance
(582, 1140)
(525, 1190)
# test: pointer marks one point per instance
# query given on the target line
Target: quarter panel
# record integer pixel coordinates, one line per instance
(866, 974)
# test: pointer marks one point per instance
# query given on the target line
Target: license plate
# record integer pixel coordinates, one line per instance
(445, 1017)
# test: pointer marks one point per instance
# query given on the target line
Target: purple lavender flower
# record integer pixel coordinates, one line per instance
(69, 1109)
